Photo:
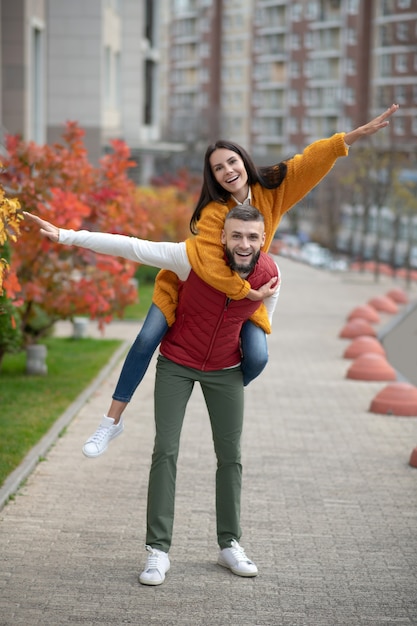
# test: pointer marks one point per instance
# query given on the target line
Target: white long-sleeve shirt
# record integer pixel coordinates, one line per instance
(161, 254)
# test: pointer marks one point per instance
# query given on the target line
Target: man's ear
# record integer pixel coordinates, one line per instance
(263, 239)
(223, 237)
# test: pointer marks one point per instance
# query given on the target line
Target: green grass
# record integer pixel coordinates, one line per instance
(31, 404)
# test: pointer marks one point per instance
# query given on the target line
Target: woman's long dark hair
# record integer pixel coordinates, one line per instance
(268, 176)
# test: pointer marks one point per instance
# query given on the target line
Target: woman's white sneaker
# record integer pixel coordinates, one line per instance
(157, 565)
(235, 559)
(97, 443)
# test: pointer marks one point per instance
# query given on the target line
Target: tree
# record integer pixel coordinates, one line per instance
(405, 201)
(368, 185)
(10, 217)
(58, 183)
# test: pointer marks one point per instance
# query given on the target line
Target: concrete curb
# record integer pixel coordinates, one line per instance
(26, 467)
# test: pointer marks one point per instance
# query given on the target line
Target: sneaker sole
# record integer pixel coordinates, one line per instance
(237, 572)
(152, 583)
(89, 455)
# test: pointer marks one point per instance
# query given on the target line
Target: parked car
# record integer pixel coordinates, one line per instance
(316, 255)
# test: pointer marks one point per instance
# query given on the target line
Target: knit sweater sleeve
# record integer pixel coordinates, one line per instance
(306, 170)
(206, 254)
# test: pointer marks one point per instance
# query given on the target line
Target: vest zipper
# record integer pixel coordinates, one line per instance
(213, 337)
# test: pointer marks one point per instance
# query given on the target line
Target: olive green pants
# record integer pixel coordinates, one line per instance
(223, 394)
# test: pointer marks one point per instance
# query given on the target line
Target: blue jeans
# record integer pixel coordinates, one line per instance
(254, 351)
(253, 344)
(140, 354)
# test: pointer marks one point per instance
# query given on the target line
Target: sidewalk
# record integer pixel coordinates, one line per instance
(329, 499)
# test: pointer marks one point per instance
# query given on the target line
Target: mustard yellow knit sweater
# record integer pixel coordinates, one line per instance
(205, 251)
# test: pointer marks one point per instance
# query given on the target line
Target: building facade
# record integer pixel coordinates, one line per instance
(95, 62)
(170, 76)
(278, 74)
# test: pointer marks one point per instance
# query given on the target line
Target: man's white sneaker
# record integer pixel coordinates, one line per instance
(235, 559)
(97, 443)
(157, 566)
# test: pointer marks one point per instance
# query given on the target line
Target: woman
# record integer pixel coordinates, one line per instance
(230, 178)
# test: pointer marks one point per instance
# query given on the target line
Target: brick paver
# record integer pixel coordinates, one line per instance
(329, 499)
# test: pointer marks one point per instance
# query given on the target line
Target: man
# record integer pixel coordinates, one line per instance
(201, 346)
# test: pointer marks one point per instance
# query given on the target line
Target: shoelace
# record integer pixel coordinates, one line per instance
(100, 434)
(153, 558)
(238, 552)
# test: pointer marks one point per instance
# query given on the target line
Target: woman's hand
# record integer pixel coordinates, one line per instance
(265, 291)
(371, 127)
(46, 228)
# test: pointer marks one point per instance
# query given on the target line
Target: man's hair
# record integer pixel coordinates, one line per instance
(246, 213)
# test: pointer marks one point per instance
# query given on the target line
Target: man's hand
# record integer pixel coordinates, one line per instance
(371, 127)
(46, 228)
(265, 291)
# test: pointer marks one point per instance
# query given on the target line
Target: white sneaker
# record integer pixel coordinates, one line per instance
(108, 430)
(157, 566)
(235, 559)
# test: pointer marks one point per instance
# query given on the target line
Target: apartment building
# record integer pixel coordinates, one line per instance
(275, 75)
(166, 75)
(394, 63)
(96, 62)
(23, 67)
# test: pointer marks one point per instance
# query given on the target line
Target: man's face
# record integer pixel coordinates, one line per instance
(243, 242)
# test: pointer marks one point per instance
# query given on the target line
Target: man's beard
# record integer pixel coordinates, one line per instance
(239, 267)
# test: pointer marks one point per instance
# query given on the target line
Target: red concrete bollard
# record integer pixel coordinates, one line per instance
(371, 366)
(398, 295)
(365, 312)
(413, 458)
(384, 304)
(396, 399)
(363, 344)
(357, 327)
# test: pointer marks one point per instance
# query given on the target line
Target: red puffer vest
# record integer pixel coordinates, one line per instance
(205, 334)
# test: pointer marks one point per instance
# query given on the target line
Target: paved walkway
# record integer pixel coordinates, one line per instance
(329, 499)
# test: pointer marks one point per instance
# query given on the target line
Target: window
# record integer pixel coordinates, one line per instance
(385, 65)
(402, 31)
(37, 100)
(149, 21)
(349, 95)
(312, 10)
(401, 63)
(351, 36)
(353, 7)
(350, 67)
(293, 97)
(400, 94)
(107, 76)
(306, 125)
(399, 126)
(294, 69)
(296, 11)
(308, 68)
(309, 40)
(148, 116)
(292, 125)
(295, 41)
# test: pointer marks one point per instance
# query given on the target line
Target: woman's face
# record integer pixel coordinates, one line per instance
(229, 171)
